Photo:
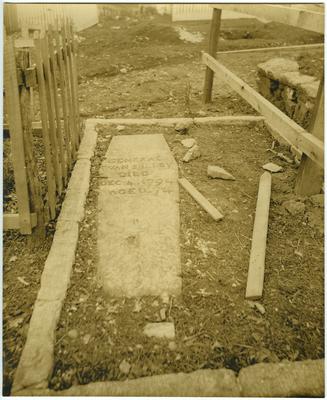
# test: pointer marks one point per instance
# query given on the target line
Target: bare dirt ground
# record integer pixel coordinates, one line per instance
(142, 69)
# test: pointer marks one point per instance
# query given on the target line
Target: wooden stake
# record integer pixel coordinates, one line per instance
(51, 113)
(53, 67)
(200, 199)
(63, 95)
(310, 176)
(213, 44)
(16, 137)
(256, 272)
(51, 184)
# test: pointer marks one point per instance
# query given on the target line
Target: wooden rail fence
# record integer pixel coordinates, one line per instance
(40, 79)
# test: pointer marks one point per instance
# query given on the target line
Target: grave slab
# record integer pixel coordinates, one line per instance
(138, 218)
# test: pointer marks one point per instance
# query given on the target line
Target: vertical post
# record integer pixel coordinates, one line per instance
(63, 96)
(53, 68)
(310, 176)
(16, 136)
(51, 184)
(51, 112)
(213, 44)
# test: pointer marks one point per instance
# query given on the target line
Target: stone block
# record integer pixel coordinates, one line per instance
(202, 383)
(275, 67)
(264, 84)
(36, 362)
(295, 79)
(309, 90)
(161, 330)
(293, 379)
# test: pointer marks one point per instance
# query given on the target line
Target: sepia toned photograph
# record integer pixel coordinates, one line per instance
(163, 200)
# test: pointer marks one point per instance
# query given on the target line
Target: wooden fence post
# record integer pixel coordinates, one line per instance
(213, 45)
(310, 176)
(16, 136)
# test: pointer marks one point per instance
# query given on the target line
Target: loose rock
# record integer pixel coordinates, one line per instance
(182, 127)
(124, 367)
(73, 334)
(160, 330)
(120, 128)
(86, 338)
(218, 172)
(317, 200)
(192, 154)
(271, 167)
(172, 346)
(294, 207)
(188, 143)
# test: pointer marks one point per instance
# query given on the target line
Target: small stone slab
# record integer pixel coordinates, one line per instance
(271, 167)
(161, 330)
(192, 154)
(294, 207)
(138, 218)
(214, 171)
(188, 143)
(275, 67)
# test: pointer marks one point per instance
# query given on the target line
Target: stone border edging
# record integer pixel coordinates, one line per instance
(222, 121)
(289, 379)
(36, 362)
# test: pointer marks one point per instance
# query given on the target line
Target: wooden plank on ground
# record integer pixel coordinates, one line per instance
(309, 179)
(301, 18)
(213, 44)
(254, 286)
(51, 113)
(285, 126)
(17, 138)
(11, 221)
(51, 184)
(200, 199)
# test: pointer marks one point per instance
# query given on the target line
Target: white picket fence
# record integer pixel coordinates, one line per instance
(199, 12)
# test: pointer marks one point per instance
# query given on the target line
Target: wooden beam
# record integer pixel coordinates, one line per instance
(254, 286)
(213, 44)
(11, 221)
(310, 176)
(200, 199)
(300, 18)
(280, 48)
(17, 138)
(285, 126)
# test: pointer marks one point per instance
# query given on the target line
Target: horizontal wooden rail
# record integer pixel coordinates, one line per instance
(285, 126)
(11, 221)
(280, 48)
(305, 19)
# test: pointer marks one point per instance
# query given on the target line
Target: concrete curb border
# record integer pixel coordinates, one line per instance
(289, 379)
(220, 121)
(36, 362)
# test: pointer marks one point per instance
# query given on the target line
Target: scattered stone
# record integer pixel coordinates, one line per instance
(172, 346)
(192, 154)
(137, 307)
(271, 167)
(155, 303)
(120, 128)
(202, 113)
(298, 253)
(258, 306)
(86, 338)
(13, 259)
(182, 127)
(294, 207)
(123, 71)
(188, 143)
(73, 334)
(22, 280)
(165, 298)
(218, 172)
(160, 330)
(124, 367)
(317, 200)
(162, 314)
